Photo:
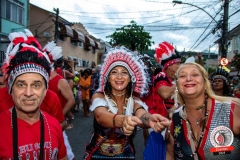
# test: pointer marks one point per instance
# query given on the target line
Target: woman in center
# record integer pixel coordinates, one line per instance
(116, 111)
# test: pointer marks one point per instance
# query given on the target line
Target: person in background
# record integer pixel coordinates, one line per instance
(27, 70)
(95, 80)
(60, 86)
(163, 89)
(220, 82)
(116, 111)
(84, 83)
(206, 126)
(2, 83)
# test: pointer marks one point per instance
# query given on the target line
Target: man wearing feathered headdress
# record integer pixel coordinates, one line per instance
(29, 132)
(162, 91)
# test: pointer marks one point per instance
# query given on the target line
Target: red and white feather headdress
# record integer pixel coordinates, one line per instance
(166, 55)
(21, 42)
(54, 52)
(121, 56)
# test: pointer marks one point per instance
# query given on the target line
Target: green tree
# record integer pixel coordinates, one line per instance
(132, 36)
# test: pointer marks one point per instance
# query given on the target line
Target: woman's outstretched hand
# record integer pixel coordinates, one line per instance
(155, 121)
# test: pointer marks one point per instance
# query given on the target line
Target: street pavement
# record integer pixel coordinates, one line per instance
(81, 132)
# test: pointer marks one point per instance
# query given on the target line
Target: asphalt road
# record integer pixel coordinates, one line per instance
(81, 132)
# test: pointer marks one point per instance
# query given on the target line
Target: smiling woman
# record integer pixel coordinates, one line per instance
(116, 111)
(205, 123)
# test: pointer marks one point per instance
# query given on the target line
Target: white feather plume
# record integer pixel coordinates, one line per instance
(56, 52)
(49, 46)
(28, 33)
(111, 105)
(190, 59)
(129, 109)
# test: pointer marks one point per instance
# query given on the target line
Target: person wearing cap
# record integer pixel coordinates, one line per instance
(116, 111)
(26, 131)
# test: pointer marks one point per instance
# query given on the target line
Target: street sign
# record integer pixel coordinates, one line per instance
(224, 61)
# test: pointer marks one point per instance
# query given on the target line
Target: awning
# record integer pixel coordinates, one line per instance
(78, 36)
(89, 41)
(98, 45)
(66, 30)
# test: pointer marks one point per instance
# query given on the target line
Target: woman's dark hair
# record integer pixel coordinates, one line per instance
(85, 71)
(226, 89)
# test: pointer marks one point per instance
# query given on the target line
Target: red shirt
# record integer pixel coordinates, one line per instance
(50, 104)
(53, 85)
(29, 138)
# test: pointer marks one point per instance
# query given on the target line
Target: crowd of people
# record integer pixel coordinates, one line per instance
(184, 113)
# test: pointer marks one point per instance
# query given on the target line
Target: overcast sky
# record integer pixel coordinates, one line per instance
(185, 26)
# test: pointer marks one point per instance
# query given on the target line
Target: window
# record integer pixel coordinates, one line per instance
(80, 44)
(93, 50)
(12, 10)
(84, 63)
(2, 56)
(61, 37)
(74, 43)
(237, 43)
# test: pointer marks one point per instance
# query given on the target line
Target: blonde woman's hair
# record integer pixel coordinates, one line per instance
(207, 84)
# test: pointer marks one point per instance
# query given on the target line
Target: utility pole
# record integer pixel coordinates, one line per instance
(56, 25)
(224, 45)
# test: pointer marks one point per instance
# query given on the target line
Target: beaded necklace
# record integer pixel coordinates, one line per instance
(14, 125)
(190, 130)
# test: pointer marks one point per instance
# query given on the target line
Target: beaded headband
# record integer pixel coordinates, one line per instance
(26, 68)
(21, 42)
(121, 56)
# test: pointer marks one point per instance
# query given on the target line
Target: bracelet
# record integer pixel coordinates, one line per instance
(114, 120)
(138, 109)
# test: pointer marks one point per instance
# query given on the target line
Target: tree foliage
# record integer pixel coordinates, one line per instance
(132, 36)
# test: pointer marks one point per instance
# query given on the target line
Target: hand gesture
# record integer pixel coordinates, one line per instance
(158, 123)
(129, 122)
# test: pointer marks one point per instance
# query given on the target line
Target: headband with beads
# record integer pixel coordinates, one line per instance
(21, 42)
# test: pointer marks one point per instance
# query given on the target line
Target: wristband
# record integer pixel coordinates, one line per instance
(114, 120)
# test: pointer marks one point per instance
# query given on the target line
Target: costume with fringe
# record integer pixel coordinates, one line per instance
(111, 143)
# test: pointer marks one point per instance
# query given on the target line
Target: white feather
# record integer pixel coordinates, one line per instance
(14, 50)
(56, 52)
(129, 109)
(46, 56)
(49, 46)
(21, 34)
(111, 105)
(28, 33)
(190, 59)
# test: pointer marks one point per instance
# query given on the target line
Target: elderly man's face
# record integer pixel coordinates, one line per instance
(28, 92)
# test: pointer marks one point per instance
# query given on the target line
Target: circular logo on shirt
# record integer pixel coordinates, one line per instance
(221, 136)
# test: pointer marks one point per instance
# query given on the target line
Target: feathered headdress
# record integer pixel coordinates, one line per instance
(54, 52)
(222, 73)
(23, 42)
(166, 55)
(121, 56)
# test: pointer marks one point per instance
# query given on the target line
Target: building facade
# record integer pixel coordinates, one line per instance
(74, 39)
(14, 16)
